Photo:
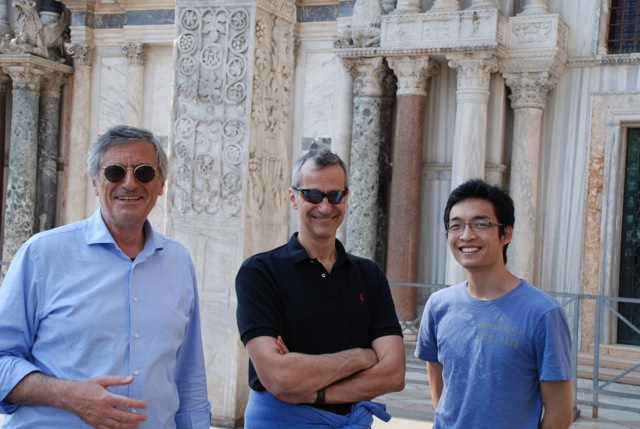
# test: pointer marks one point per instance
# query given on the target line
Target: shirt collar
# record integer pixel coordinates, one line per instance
(98, 233)
(299, 254)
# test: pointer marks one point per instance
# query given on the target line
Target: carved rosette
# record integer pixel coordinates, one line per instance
(413, 73)
(529, 90)
(210, 123)
(135, 52)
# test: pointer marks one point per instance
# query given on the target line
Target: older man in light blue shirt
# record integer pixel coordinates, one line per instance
(99, 320)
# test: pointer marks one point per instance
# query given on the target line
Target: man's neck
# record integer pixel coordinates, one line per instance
(324, 250)
(492, 284)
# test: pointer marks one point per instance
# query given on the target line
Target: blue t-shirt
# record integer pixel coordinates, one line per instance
(494, 354)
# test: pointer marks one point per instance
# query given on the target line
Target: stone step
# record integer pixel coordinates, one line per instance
(609, 367)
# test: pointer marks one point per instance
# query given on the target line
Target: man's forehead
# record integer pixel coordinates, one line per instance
(476, 208)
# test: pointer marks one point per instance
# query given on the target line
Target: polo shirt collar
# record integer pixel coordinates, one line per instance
(299, 254)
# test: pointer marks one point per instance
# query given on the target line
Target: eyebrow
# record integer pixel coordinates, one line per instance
(478, 217)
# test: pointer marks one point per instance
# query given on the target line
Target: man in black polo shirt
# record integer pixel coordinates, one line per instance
(319, 324)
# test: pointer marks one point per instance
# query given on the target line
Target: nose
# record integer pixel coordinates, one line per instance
(325, 205)
(466, 231)
(129, 180)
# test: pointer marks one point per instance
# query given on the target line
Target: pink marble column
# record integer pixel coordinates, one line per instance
(406, 179)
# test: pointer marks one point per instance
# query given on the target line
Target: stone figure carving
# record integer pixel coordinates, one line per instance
(364, 31)
(33, 36)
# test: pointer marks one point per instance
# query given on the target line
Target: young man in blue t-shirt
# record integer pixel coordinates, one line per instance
(497, 349)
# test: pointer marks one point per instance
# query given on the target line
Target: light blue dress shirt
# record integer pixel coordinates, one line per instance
(74, 306)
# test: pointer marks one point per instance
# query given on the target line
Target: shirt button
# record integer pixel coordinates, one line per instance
(136, 335)
(136, 372)
(324, 275)
(135, 299)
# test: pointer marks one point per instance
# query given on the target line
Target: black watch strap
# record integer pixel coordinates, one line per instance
(319, 398)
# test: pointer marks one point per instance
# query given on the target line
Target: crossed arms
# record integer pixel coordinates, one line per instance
(348, 376)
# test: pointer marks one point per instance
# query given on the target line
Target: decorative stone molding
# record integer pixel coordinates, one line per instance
(135, 53)
(368, 74)
(497, 174)
(82, 54)
(413, 73)
(448, 31)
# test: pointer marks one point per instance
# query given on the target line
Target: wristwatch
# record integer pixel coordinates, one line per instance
(319, 398)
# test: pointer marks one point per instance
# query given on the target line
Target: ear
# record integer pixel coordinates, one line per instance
(508, 235)
(161, 190)
(292, 199)
(95, 187)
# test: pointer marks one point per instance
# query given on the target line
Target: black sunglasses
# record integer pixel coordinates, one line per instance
(115, 173)
(315, 197)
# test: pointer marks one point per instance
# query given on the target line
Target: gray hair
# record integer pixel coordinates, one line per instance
(121, 135)
(321, 158)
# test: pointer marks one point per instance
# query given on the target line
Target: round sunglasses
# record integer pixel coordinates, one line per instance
(315, 196)
(115, 173)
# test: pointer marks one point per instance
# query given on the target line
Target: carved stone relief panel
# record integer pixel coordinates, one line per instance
(271, 110)
(210, 124)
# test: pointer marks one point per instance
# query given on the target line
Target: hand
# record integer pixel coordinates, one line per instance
(282, 348)
(95, 405)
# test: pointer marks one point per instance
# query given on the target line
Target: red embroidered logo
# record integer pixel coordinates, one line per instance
(361, 297)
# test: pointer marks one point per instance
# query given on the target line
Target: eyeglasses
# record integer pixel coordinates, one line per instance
(115, 173)
(315, 196)
(456, 226)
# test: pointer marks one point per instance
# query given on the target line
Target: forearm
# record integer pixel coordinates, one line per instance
(37, 389)
(302, 374)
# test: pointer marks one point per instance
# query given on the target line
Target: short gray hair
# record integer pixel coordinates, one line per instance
(121, 135)
(321, 158)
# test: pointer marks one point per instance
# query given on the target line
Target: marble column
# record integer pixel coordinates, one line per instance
(135, 83)
(408, 6)
(528, 99)
(364, 179)
(342, 122)
(48, 138)
(21, 186)
(534, 7)
(483, 4)
(4, 81)
(445, 5)
(470, 138)
(77, 180)
(406, 182)
(387, 103)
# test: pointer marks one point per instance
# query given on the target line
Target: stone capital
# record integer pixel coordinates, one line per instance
(474, 71)
(135, 52)
(529, 90)
(25, 77)
(81, 53)
(412, 73)
(368, 75)
(51, 85)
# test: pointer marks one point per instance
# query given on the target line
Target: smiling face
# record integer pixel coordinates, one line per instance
(125, 205)
(319, 222)
(477, 250)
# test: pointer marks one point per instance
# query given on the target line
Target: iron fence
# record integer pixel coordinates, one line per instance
(608, 386)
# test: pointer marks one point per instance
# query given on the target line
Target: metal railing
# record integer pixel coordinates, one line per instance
(604, 313)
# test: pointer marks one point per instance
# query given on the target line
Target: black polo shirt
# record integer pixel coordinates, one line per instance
(284, 292)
